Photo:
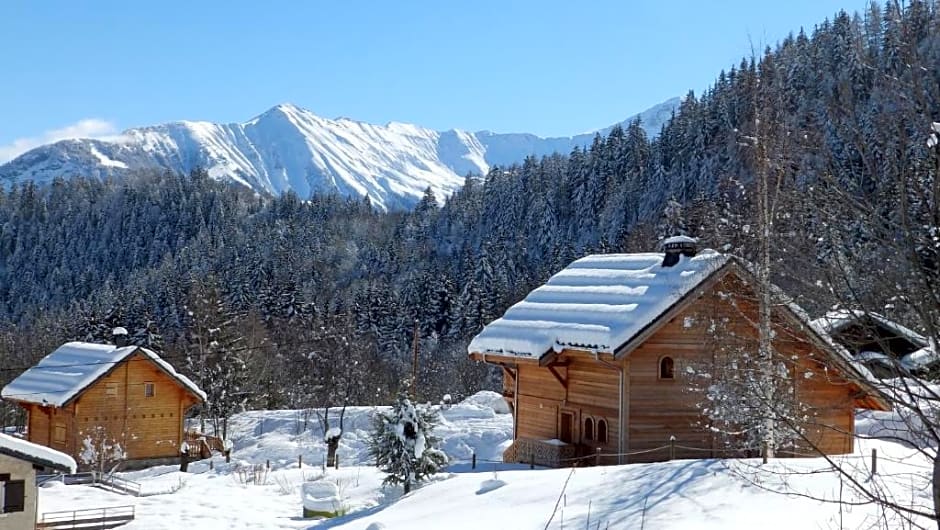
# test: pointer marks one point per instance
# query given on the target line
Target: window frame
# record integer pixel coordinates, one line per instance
(597, 431)
(586, 433)
(56, 429)
(672, 368)
(150, 389)
(5, 506)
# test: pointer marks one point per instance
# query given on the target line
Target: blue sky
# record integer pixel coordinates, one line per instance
(542, 66)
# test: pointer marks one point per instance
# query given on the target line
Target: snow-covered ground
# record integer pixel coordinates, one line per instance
(704, 494)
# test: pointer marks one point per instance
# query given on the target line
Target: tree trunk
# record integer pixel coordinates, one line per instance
(407, 488)
(765, 347)
(331, 446)
(936, 488)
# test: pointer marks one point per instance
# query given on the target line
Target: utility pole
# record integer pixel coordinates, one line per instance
(414, 365)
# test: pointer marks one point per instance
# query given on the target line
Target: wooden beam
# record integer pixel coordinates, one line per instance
(508, 371)
(562, 380)
(549, 358)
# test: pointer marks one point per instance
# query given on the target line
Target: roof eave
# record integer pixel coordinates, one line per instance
(34, 459)
(870, 392)
(502, 358)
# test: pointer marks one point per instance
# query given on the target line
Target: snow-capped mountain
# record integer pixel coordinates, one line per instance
(290, 148)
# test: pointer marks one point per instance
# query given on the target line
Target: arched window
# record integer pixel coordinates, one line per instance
(667, 368)
(602, 431)
(588, 428)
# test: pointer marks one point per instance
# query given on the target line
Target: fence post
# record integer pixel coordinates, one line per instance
(336, 461)
(300, 461)
(267, 464)
(597, 457)
(211, 465)
(874, 462)
(672, 447)
(532, 460)
(473, 461)
(763, 451)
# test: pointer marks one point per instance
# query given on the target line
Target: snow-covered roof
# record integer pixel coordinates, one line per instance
(873, 357)
(72, 367)
(920, 359)
(834, 321)
(35, 453)
(598, 303)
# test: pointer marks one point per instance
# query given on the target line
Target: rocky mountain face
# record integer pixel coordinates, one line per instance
(288, 148)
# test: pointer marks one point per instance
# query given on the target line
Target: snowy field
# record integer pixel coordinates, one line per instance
(700, 494)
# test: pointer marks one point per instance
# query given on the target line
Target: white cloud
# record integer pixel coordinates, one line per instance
(88, 128)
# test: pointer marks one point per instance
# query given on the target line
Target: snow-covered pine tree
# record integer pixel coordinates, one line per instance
(403, 444)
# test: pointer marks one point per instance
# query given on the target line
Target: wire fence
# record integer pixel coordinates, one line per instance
(673, 451)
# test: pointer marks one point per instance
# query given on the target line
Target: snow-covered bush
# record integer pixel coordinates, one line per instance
(100, 449)
(246, 473)
(403, 445)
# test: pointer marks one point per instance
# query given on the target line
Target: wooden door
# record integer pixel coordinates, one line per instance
(566, 427)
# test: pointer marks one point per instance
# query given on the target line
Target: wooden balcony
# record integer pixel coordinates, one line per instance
(202, 445)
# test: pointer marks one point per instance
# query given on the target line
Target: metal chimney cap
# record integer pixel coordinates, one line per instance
(678, 241)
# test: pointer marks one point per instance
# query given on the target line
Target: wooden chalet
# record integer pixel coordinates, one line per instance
(884, 346)
(128, 394)
(598, 358)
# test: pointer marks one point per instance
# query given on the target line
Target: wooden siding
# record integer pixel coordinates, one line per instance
(147, 427)
(584, 388)
(660, 409)
(657, 409)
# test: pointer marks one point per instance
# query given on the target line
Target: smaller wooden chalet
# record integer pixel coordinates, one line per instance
(125, 394)
(885, 347)
(598, 358)
(19, 461)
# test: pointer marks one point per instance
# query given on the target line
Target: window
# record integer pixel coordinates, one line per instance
(111, 389)
(588, 428)
(602, 431)
(667, 368)
(12, 494)
(58, 433)
(148, 389)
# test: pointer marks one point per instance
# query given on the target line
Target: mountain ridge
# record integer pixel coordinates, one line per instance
(289, 148)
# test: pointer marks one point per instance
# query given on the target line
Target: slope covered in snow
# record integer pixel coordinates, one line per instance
(726, 494)
(289, 148)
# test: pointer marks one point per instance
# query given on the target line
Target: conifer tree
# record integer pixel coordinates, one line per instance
(403, 444)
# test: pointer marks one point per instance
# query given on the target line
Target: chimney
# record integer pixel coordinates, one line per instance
(119, 336)
(676, 246)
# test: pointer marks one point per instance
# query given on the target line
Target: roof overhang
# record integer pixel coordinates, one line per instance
(34, 459)
(505, 358)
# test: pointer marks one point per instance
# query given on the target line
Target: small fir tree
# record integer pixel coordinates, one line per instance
(403, 444)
